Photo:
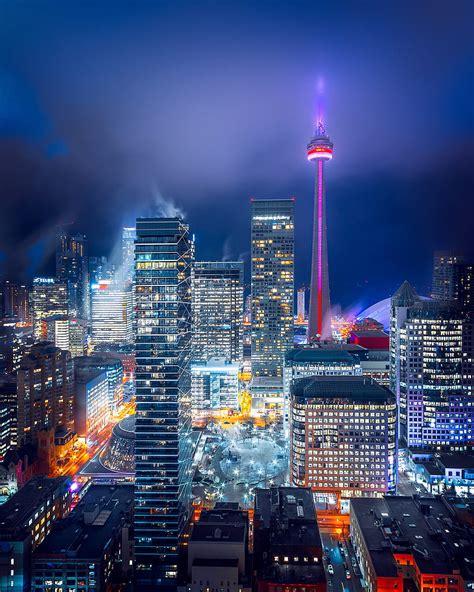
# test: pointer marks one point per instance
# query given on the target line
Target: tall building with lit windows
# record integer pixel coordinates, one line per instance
(73, 269)
(272, 284)
(431, 368)
(343, 437)
(50, 298)
(217, 310)
(163, 259)
(445, 272)
(112, 314)
(128, 253)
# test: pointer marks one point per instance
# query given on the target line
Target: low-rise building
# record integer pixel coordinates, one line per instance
(398, 539)
(26, 519)
(218, 550)
(288, 553)
(90, 549)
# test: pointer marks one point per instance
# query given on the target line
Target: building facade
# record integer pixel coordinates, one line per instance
(217, 310)
(163, 259)
(214, 387)
(431, 371)
(272, 284)
(113, 368)
(45, 391)
(343, 437)
(112, 315)
(91, 409)
(50, 298)
(72, 269)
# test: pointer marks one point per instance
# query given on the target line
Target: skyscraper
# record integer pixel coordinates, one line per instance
(217, 310)
(431, 371)
(50, 298)
(272, 284)
(319, 150)
(128, 253)
(72, 268)
(445, 271)
(163, 258)
(111, 314)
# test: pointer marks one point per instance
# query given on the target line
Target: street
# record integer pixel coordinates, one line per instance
(339, 582)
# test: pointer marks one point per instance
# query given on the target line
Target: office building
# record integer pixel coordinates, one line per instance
(15, 301)
(129, 235)
(343, 437)
(78, 337)
(319, 151)
(45, 391)
(217, 310)
(91, 409)
(50, 298)
(72, 269)
(163, 259)
(214, 387)
(312, 361)
(112, 312)
(26, 519)
(288, 553)
(431, 371)
(90, 549)
(113, 368)
(218, 550)
(422, 543)
(57, 331)
(272, 284)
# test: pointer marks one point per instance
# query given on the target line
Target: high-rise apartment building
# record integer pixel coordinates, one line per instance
(72, 268)
(319, 151)
(112, 314)
(50, 298)
(217, 310)
(272, 284)
(431, 371)
(45, 391)
(163, 259)
(343, 437)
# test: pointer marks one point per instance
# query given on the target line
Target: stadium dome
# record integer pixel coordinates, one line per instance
(119, 455)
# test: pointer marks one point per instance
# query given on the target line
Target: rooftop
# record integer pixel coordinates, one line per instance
(86, 532)
(423, 527)
(15, 513)
(319, 356)
(355, 388)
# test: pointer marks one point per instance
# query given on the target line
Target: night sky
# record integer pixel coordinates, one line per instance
(115, 109)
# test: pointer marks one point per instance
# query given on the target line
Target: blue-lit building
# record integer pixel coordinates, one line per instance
(163, 257)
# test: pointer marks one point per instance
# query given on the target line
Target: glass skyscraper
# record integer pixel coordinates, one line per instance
(218, 308)
(272, 284)
(163, 258)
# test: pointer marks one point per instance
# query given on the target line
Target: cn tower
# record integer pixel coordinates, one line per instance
(319, 151)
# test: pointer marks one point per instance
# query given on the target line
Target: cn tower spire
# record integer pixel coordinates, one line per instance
(319, 151)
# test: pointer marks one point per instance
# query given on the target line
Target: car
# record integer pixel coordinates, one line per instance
(330, 569)
(348, 574)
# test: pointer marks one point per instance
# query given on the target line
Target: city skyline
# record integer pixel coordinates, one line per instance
(376, 186)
